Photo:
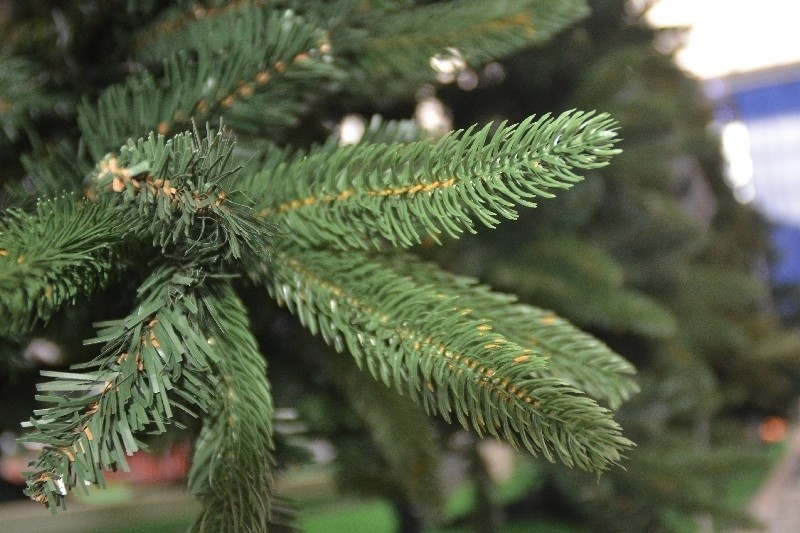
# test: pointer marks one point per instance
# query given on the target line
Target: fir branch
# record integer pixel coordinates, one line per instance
(226, 64)
(353, 197)
(233, 460)
(391, 49)
(410, 337)
(188, 14)
(174, 191)
(572, 355)
(455, 348)
(149, 358)
(279, 92)
(48, 258)
(481, 33)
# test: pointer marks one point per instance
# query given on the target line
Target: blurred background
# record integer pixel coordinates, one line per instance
(683, 255)
(749, 66)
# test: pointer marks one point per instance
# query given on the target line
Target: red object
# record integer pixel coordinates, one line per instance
(150, 468)
(772, 429)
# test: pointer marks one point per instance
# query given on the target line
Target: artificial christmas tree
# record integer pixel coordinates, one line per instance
(656, 258)
(192, 178)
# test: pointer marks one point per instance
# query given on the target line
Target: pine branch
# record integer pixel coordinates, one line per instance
(730, 290)
(175, 192)
(233, 460)
(581, 281)
(481, 33)
(168, 190)
(227, 64)
(187, 13)
(390, 48)
(455, 348)
(278, 93)
(153, 356)
(675, 238)
(191, 215)
(48, 258)
(579, 359)
(408, 336)
(353, 197)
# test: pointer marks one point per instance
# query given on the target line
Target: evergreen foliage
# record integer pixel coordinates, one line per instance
(232, 468)
(655, 257)
(157, 350)
(402, 193)
(385, 48)
(143, 194)
(67, 247)
(402, 466)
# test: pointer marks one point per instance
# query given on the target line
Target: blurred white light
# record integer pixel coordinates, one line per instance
(322, 451)
(500, 459)
(8, 442)
(728, 37)
(739, 172)
(736, 153)
(351, 129)
(448, 65)
(286, 413)
(432, 116)
(43, 352)
(745, 194)
(445, 77)
(735, 139)
(467, 80)
(494, 72)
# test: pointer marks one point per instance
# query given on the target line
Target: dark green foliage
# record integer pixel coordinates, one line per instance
(46, 259)
(655, 257)
(577, 358)
(135, 192)
(205, 77)
(176, 191)
(400, 458)
(394, 45)
(22, 98)
(558, 270)
(414, 338)
(122, 188)
(232, 469)
(149, 358)
(666, 489)
(405, 192)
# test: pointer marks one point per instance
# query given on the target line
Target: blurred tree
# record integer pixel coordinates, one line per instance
(655, 257)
